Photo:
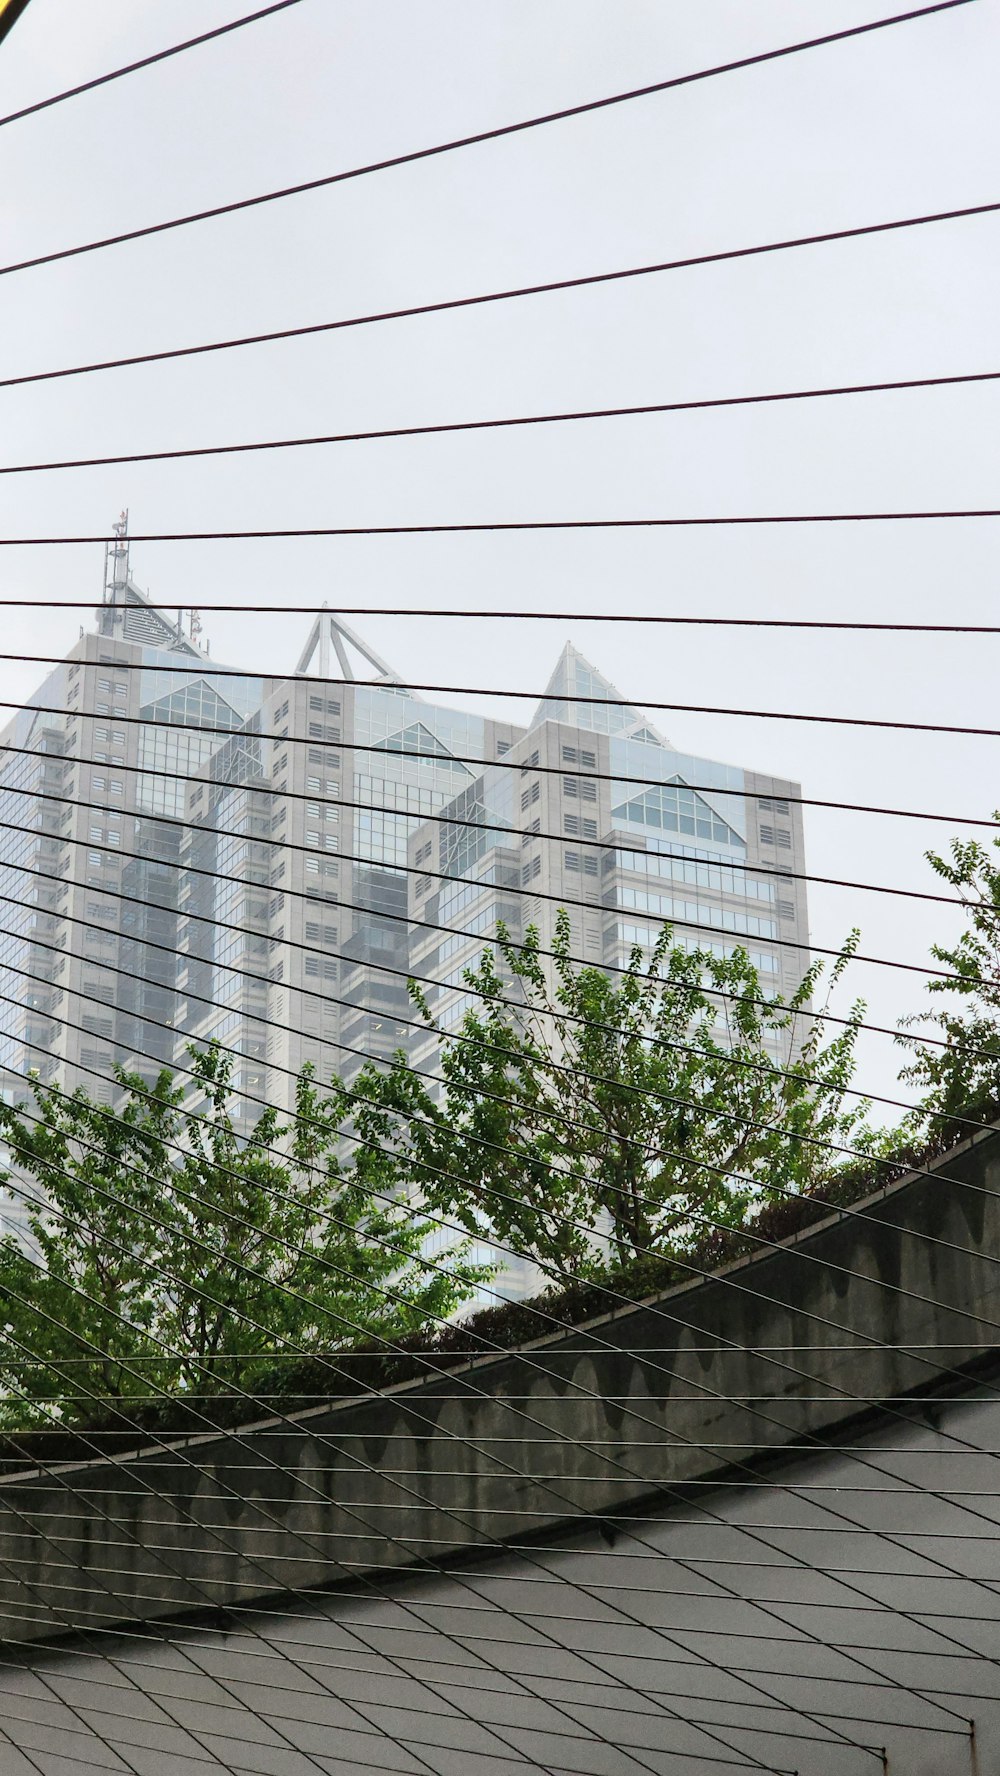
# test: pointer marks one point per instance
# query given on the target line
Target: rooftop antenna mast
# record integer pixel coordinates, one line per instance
(116, 561)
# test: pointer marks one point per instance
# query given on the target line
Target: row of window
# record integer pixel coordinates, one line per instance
(697, 869)
(668, 906)
(483, 921)
(645, 936)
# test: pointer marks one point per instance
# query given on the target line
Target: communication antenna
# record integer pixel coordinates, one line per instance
(116, 560)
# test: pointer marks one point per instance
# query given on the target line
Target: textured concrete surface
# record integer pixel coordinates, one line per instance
(870, 1304)
(849, 1602)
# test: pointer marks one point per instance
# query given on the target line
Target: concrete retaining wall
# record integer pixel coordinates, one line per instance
(895, 1296)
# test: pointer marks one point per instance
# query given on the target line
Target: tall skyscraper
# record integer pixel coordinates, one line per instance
(189, 853)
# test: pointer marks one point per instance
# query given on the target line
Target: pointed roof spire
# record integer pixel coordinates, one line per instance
(608, 713)
(330, 632)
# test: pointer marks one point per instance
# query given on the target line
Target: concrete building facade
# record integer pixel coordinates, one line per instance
(191, 853)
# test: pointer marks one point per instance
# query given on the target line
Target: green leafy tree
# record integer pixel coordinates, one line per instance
(962, 1078)
(602, 1116)
(175, 1254)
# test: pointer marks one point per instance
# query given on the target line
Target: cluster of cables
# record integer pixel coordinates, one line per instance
(685, 1620)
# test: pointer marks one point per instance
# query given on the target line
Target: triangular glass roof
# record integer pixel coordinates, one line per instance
(674, 808)
(195, 705)
(580, 695)
(418, 738)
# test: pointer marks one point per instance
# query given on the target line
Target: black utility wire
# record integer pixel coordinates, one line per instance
(740, 939)
(958, 1643)
(261, 786)
(722, 1171)
(504, 422)
(556, 1170)
(275, 1639)
(478, 765)
(836, 1209)
(477, 615)
(324, 996)
(952, 1119)
(491, 135)
(161, 55)
(569, 697)
(404, 1543)
(108, 891)
(940, 1632)
(449, 306)
(495, 526)
(91, 1505)
(445, 1225)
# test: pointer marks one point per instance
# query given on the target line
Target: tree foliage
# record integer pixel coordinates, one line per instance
(581, 1119)
(598, 1116)
(962, 1077)
(174, 1254)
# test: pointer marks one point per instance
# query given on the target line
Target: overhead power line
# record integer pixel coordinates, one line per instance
(496, 526)
(468, 613)
(695, 405)
(774, 871)
(735, 1283)
(197, 669)
(491, 135)
(461, 758)
(405, 1541)
(161, 55)
(519, 891)
(452, 304)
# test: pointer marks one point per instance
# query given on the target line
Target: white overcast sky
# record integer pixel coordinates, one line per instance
(895, 124)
